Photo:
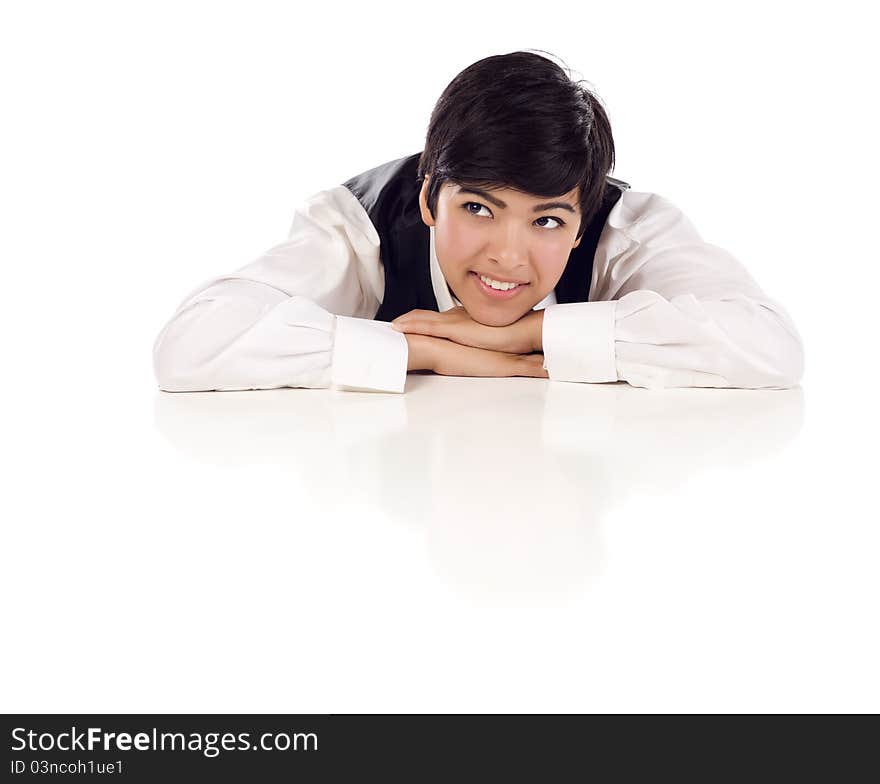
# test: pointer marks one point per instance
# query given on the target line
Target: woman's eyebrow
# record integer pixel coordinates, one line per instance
(550, 205)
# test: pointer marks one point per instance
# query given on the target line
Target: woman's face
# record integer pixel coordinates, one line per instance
(505, 235)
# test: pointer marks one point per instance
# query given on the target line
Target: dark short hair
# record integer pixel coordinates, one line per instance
(518, 121)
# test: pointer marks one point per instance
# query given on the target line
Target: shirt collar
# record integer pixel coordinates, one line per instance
(445, 298)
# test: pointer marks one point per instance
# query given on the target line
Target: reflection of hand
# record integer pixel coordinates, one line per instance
(456, 324)
(449, 358)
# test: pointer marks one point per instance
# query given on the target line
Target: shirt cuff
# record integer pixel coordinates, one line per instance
(369, 356)
(578, 341)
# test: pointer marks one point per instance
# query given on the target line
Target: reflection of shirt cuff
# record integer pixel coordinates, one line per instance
(578, 341)
(369, 355)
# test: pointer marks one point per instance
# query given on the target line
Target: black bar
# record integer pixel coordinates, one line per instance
(324, 747)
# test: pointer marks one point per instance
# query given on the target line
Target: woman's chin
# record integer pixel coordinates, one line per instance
(488, 316)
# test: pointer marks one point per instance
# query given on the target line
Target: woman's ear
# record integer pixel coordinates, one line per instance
(427, 218)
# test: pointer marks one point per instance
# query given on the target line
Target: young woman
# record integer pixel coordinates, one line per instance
(503, 248)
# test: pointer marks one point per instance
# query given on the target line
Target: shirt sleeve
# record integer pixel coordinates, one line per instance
(668, 309)
(300, 315)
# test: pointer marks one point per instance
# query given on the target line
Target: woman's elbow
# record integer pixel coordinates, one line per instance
(788, 350)
(172, 370)
(778, 365)
(180, 350)
(186, 351)
(791, 364)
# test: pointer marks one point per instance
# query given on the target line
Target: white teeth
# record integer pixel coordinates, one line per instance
(497, 284)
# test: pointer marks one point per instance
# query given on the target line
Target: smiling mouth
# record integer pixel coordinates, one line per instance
(497, 294)
(499, 280)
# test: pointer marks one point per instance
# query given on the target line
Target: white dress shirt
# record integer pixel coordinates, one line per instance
(666, 309)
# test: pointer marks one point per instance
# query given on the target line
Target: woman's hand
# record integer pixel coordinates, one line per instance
(456, 324)
(448, 358)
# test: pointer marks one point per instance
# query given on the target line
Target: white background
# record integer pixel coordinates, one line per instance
(607, 549)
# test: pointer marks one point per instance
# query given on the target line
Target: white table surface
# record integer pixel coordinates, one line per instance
(472, 545)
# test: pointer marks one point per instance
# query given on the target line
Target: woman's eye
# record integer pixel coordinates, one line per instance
(474, 204)
(468, 204)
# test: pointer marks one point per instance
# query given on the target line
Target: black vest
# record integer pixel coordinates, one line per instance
(390, 195)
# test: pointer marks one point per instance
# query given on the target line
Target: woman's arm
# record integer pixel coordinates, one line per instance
(670, 310)
(300, 315)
